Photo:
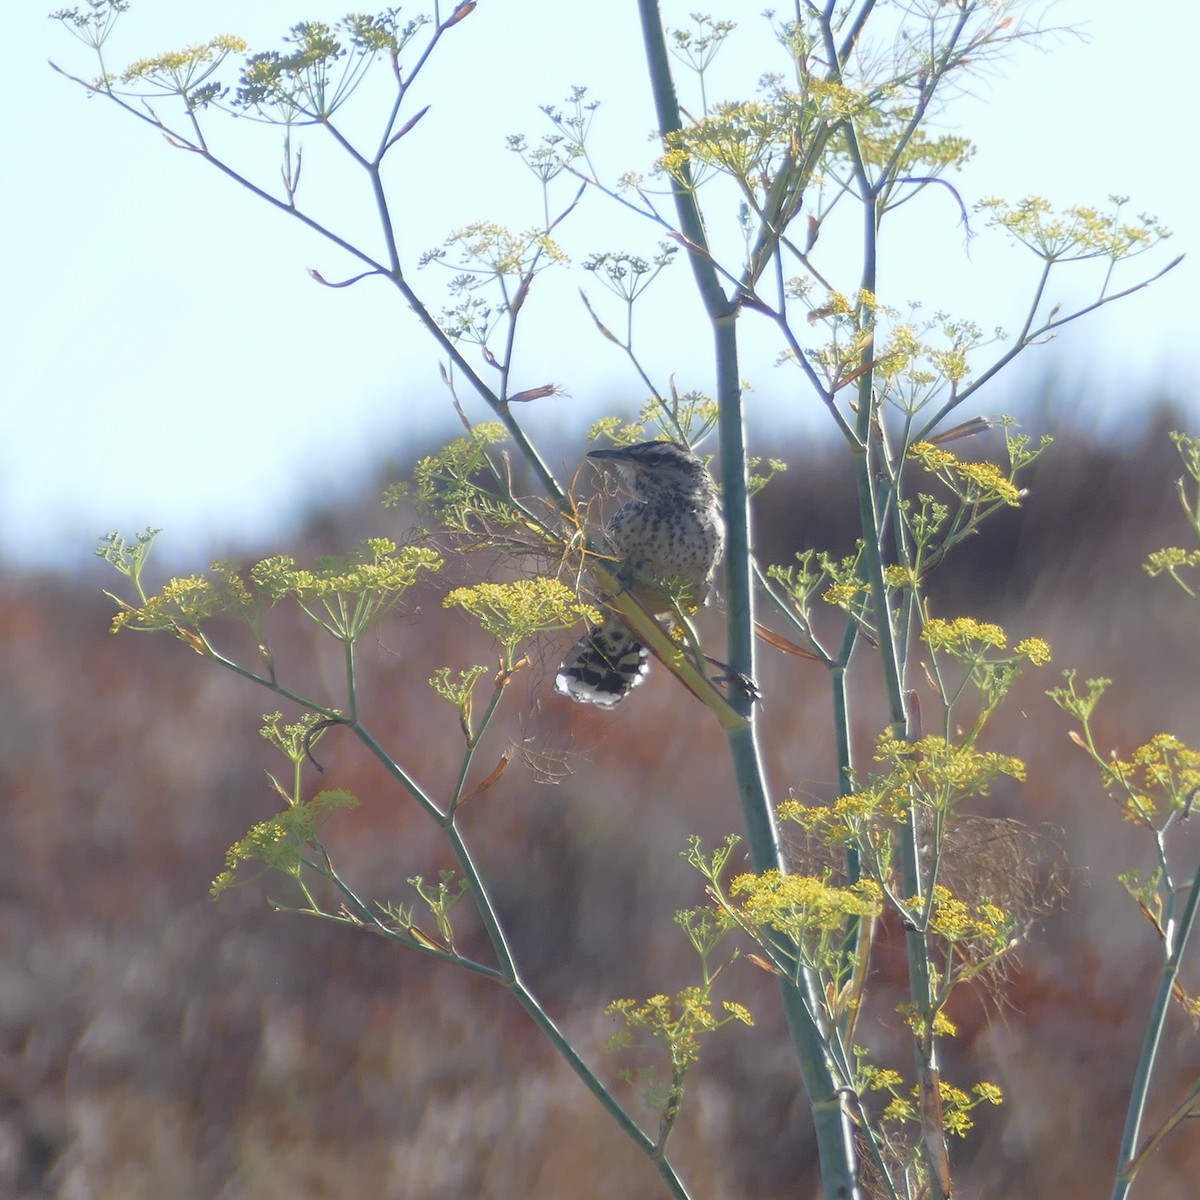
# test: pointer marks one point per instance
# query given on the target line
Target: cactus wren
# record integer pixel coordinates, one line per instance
(671, 534)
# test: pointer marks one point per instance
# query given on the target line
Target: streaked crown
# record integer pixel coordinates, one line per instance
(655, 469)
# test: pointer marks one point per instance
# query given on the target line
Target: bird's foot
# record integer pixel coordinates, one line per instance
(735, 680)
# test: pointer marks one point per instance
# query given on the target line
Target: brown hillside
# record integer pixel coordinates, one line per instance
(155, 1044)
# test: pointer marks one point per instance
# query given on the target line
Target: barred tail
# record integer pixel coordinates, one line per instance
(603, 666)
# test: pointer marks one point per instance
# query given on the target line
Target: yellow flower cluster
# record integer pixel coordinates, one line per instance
(1077, 232)
(972, 482)
(956, 921)
(678, 1022)
(967, 638)
(180, 66)
(279, 842)
(1163, 772)
(514, 612)
(941, 772)
(800, 904)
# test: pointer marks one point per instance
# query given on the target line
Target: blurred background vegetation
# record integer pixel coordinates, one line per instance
(158, 1044)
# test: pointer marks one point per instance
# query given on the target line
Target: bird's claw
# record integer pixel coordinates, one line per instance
(736, 679)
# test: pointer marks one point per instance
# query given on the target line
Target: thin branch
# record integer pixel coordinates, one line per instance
(1029, 339)
(828, 398)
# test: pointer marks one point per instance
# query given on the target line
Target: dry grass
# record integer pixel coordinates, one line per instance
(155, 1044)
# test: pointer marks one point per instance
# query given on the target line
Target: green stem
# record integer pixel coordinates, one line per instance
(391, 271)
(351, 681)
(363, 917)
(499, 408)
(874, 499)
(331, 714)
(510, 976)
(858, 939)
(802, 999)
(401, 776)
(1175, 943)
(473, 740)
(627, 1124)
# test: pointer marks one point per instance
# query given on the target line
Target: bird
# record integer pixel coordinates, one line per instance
(667, 541)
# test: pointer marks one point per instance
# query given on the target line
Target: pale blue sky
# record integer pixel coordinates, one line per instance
(168, 362)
